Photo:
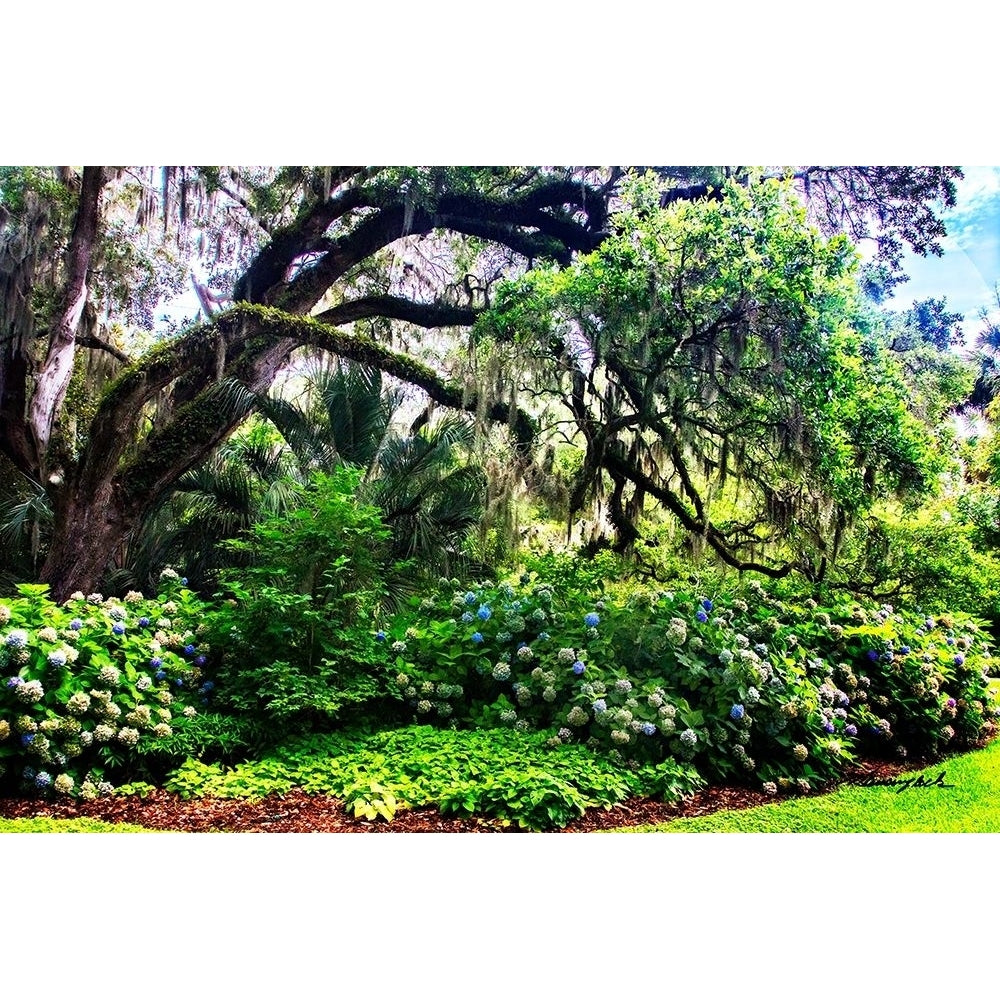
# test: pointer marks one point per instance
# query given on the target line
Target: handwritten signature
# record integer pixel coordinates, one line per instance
(901, 784)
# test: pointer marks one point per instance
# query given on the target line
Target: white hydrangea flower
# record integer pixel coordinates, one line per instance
(30, 692)
(109, 675)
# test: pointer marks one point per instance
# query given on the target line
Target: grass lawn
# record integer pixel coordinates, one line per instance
(971, 804)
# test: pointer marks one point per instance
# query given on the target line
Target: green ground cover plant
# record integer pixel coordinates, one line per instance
(514, 776)
(45, 824)
(959, 795)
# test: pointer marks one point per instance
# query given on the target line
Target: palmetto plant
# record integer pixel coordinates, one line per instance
(25, 517)
(343, 416)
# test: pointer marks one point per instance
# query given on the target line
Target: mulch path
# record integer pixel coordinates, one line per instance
(297, 812)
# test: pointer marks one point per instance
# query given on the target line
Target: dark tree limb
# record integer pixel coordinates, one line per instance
(426, 314)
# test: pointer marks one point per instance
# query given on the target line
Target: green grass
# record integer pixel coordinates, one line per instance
(45, 824)
(972, 805)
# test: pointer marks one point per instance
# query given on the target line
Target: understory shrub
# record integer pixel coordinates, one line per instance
(293, 641)
(745, 688)
(88, 686)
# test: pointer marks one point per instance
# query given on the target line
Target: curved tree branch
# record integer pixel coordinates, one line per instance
(429, 315)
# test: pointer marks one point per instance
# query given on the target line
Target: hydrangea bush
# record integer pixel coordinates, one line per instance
(746, 688)
(88, 685)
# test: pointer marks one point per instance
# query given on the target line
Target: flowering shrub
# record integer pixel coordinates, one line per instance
(754, 690)
(93, 683)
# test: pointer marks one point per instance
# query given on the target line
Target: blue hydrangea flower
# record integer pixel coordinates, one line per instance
(959, 659)
(904, 650)
(160, 675)
(600, 706)
(702, 617)
(707, 604)
(16, 639)
(143, 622)
(950, 640)
(200, 661)
(592, 619)
(380, 636)
(184, 581)
(43, 779)
(208, 686)
(76, 624)
(470, 598)
(872, 655)
(189, 650)
(13, 682)
(118, 628)
(27, 739)
(179, 682)
(760, 649)
(649, 729)
(578, 667)
(57, 658)
(828, 727)
(477, 637)
(155, 662)
(737, 712)
(850, 729)
(484, 612)
(468, 617)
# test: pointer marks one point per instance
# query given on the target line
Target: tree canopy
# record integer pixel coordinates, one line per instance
(683, 320)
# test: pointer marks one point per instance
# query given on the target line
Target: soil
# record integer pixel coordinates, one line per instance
(297, 812)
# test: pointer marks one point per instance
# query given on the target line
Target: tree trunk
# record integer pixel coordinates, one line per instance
(86, 532)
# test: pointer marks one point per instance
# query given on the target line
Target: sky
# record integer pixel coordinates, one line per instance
(969, 269)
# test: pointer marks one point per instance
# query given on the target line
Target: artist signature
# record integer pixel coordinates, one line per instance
(901, 784)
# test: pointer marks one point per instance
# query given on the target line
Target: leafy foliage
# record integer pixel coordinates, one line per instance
(711, 340)
(294, 642)
(93, 684)
(514, 776)
(745, 689)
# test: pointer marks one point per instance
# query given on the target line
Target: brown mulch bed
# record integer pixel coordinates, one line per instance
(297, 812)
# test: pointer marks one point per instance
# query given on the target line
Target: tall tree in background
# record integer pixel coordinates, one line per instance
(351, 260)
